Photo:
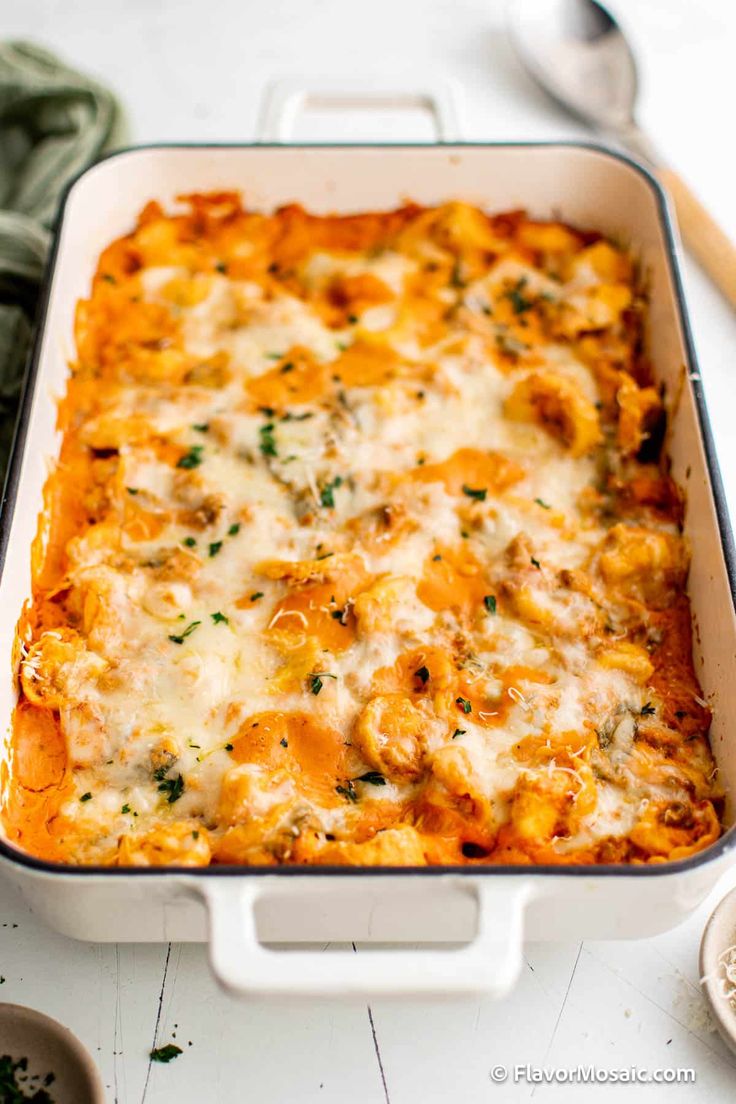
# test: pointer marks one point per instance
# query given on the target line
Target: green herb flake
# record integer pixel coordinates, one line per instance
(268, 441)
(190, 542)
(215, 547)
(125, 808)
(191, 459)
(201, 427)
(165, 1053)
(228, 747)
(489, 602)
(179, 638)
(86, 796)
(220, 618)
(108, 278)
(348, 792)
(535, 563)
(234, 529)
(459, 732)
(519, 302)
(464, 705)
(423, 675)
(479, 493)
(456, 276)
(543, 504)
(315, 681)
(372, 778)
(132, 490)
(172, 787)
(220, 266)
(284, 742)
(326, 495)
(648, 710)
(286, 368)
(255, 596)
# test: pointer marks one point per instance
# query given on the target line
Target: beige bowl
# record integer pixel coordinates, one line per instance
(718, 937)
(50, 1048)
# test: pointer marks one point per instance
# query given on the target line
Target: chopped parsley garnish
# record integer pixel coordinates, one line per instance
(215, 547)
(234, 529)
(519, 302)
(132, 490)
(648, 710)
(348, 792)
(274, 356)
(17, 1084)
(284, 742)
(86, 796)
(352, 319)
(108, 278)
(490, 602)
(179, 638)
(268, 441)
(535, 563)
(340, 615)
(286, 368)
(165, 1053)
(478, 493)
(459, 732)
(315, 681)
(125, 809)
(464, 705)
(543, 504)
(456, 276)
(172, 787)
(326, 496)
(220, 618)
(373, 778)
(201, 427)
(256, 595)
(190, 542)
(228, 747)
(423, 674)
(220, 266)
(191, 459)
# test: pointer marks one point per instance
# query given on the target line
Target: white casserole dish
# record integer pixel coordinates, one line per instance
(488, 911)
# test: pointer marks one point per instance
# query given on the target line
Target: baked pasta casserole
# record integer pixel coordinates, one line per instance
(360, 549)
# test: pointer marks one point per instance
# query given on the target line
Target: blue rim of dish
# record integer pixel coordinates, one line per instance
(726, 843)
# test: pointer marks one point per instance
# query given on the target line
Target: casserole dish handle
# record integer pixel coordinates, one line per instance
(285, 99)
(488, 964)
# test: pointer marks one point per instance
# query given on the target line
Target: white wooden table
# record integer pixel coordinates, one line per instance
(194, 70)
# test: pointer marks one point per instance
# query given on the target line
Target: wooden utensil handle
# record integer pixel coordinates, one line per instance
(702, 235)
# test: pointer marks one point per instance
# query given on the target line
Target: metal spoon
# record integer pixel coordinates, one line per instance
(576, 51)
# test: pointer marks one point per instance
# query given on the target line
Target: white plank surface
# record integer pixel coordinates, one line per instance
(190, 70)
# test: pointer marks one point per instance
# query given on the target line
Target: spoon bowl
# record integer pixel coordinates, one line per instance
(576, 51)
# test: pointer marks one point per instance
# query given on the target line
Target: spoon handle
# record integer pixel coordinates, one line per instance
(705, 239)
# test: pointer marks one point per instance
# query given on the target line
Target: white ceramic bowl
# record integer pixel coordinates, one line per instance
(50, 1048)
(719, 936)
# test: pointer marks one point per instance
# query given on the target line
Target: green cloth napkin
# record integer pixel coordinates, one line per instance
(53, 122)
